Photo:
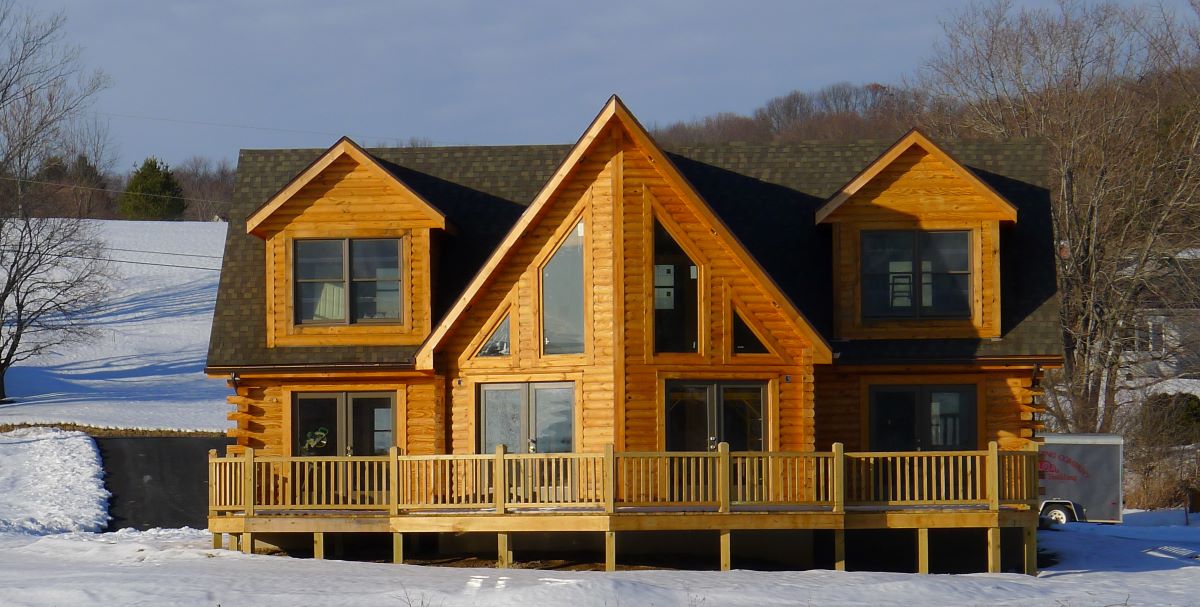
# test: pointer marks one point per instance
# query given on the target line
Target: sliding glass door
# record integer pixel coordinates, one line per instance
(923, 418)
(702, 414)
(342, 423)
(527, 417)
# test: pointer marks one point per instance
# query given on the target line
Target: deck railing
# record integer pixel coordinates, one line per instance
(703, 481)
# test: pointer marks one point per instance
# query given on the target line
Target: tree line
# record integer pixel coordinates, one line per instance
(198, 189)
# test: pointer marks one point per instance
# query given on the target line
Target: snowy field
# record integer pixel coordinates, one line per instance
(144, 369)
(1144, 562)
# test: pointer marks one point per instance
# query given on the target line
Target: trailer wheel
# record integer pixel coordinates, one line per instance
(1059, 515)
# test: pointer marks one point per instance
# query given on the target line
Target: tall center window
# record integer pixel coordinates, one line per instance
(916, 274)
(676, 299)
(562, 296)
(348, 280)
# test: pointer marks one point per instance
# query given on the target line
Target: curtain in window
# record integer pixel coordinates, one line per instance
(330, 301)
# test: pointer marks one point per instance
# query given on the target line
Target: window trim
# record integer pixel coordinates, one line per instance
(347, 281)
(971, 273)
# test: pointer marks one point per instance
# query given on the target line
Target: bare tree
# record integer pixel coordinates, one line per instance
(207, 186)
(52, 269)
(838, 111)
(1114, 94)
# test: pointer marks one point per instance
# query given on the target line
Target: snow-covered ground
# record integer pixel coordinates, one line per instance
(144, 369)
(1144, 562)
(1100, 566)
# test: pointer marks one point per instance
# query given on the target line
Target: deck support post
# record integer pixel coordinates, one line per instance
(319, 545)
(923, 550)
(610, 550)
(398, 548)
(504, 551)
(839, 549)
(1030, 537)
(993, 548)
(839, 478)
(724, 477)
(247, 542)
(218, 541)
(726, 557)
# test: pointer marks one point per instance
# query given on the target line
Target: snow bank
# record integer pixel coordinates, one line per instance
(145, 367)
(50, 482)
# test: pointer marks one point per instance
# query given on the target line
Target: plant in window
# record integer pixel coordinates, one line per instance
(314, 441)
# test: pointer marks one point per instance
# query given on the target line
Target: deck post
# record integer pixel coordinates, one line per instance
(610, 550)
(993, 476)
(248, 482)
(398, 548)
(923, 550)
(726, 545)
(839, 478)
(1030, 535)
(839, 549)
(504, 551)
(319, 545)
(212, 486)
(993, 548)
(610, 478)
(724, 478)
(394, 480)
(247, 542)
(499, 483)
(218, 541)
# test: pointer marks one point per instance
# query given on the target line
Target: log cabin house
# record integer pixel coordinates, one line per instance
(614, 339)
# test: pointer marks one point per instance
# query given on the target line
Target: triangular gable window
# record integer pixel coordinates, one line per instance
(744, 339)
(498, 344)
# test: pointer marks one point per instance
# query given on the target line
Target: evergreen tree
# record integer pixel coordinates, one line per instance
(152, 193)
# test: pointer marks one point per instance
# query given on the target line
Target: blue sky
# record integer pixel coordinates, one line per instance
(464, 72)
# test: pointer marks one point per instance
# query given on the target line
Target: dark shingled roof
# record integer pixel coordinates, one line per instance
(767, 194)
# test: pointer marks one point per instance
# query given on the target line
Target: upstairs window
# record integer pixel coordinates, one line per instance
(562, 296)
(676, 295)
(916, 274)
(347, 280)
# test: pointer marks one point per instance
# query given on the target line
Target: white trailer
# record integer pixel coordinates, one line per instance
(1081, 477)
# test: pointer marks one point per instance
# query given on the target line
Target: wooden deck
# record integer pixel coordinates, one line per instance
(624, 492)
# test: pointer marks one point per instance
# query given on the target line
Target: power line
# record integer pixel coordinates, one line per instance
(144, 263)
(129, 261)
(95, 189)
(259, 128)
(164, 253)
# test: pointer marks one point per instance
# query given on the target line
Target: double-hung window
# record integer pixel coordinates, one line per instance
(348, 280)
(916, 274)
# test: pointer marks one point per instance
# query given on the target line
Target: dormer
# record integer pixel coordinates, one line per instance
(347, 255)
(916, 239)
